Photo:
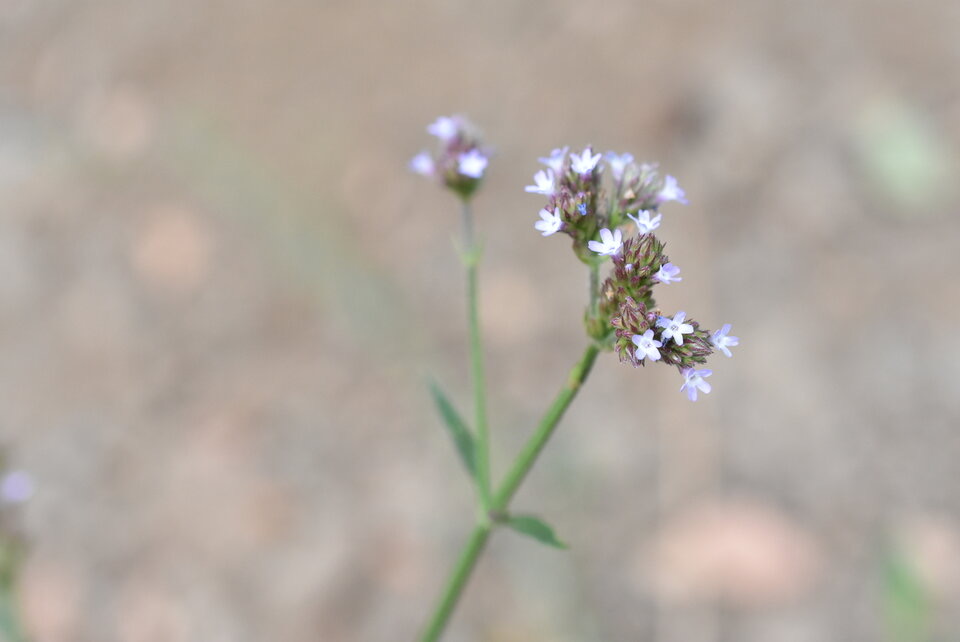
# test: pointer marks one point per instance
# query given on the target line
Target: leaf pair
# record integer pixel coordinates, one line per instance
(463, 441)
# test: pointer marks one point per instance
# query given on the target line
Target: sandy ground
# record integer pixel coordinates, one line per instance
(221, 293)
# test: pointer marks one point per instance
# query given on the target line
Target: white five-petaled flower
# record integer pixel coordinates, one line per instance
(550, 223)
(556, 159)
(445, 128)
(618, 163)
(671, 191)
(472, 163)
(609, 243)
(645, 224)
(423, 164)
(585, 162)
(668, 273)
(646, 346)
(544, 180)
(693, 380)
(675, 328)
(721, 340)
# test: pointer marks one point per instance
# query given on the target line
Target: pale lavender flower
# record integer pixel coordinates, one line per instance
(645, 224)
(618, 163)
(423, 164)
(556, 159)
(544, 180)
(550, 223)
(646, 346)
(721, 340)
(668, 273)
(671, 191)
(472, 163)
(16, 487)
(693, 380)
(585, 162)
(609, 243)
(674, 328)
(446, 128)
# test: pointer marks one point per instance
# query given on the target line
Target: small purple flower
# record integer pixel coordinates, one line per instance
(618, 163)
(721, 340)
(423, 164)
(582, 209)
(16, 487)
(472, 163)
(668, 273)
(645, 224)
(646, 346)
(544, 180)
(674, 328)
(609, 243)
(556, 159)
(585, 162)
(550, 222)
(693, 380)
(446, 128)
(671, 191)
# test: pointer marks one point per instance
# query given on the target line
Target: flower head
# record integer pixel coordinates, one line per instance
(446, 128)
(545, 184)
(585, 162)
(550, 222)
(423, 164)
(472, 163)
(674, 328)
(556, 159)
(671, 191)
(609, 243)
(646, 346)
(721, 341)
(693, 380)
(646, 224)
(668, 273)
(618, 163)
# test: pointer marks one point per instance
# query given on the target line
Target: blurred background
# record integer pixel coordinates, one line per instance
(222, 291)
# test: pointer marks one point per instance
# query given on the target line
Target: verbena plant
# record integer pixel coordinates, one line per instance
(594, 199)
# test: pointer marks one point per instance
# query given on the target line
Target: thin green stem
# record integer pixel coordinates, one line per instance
(482, 446)
(594, 289)
(525, 460)
(501, 501)
(456, 583)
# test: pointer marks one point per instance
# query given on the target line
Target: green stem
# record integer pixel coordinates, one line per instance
(482, 450)
(525, 460)
(501, 501)
(594, 289)
(456, 583)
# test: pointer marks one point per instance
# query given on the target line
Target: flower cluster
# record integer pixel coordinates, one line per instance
(591, 197)
(461, 160)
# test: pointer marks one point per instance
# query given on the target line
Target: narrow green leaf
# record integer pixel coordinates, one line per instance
(456, 426)
(536, 528)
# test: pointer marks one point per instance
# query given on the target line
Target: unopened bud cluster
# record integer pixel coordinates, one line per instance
(460, 161)
(593, 198)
